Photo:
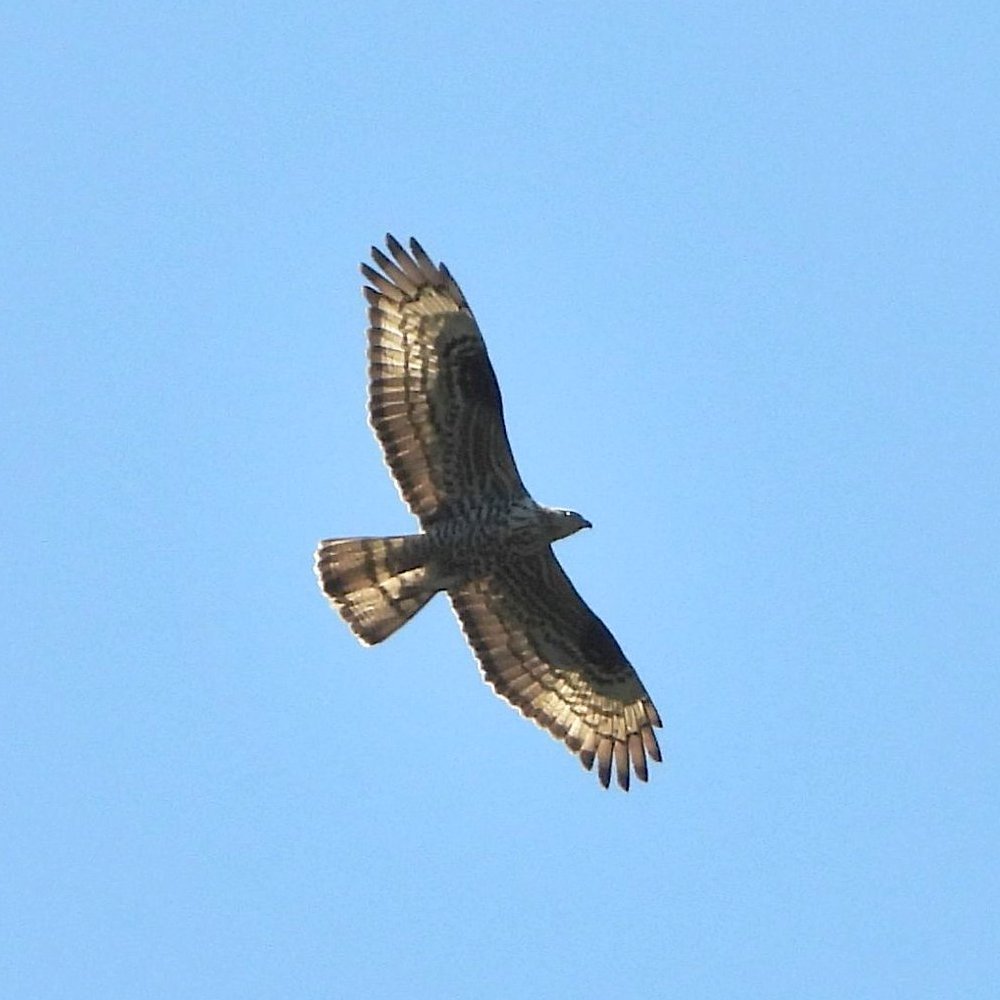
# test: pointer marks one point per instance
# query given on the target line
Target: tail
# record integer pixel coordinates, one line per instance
(377, 584)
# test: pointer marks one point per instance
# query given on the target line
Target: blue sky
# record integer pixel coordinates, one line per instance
(737, 267)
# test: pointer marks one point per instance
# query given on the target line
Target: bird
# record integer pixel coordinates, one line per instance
(435, 407)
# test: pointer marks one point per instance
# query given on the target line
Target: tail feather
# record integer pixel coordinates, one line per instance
(377, 584)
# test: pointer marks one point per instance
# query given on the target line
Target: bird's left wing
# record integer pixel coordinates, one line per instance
(543, 650)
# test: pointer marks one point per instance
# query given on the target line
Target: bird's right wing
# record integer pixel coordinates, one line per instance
(434, 402)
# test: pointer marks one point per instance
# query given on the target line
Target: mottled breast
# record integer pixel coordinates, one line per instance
(475, 535)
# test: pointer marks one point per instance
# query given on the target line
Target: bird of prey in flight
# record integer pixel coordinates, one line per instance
(435, 407)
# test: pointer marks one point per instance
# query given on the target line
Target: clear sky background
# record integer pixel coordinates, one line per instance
(738, 269)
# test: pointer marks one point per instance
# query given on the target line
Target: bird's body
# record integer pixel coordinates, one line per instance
(473, 535)
(436, 409)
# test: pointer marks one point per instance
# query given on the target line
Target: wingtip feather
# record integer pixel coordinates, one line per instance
(622, 764)
(605, 750)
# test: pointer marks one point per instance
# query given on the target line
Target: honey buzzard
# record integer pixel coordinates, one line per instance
(435, 406)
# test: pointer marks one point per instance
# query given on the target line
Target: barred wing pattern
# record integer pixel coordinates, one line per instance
(434, 402)
(549, 655)
(436, 409)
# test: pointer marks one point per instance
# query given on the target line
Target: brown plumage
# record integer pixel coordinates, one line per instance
(436, 409)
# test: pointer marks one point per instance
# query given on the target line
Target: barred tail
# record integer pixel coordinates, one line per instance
(377, 584)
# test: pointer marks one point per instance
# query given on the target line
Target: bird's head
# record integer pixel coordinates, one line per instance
(562, 523)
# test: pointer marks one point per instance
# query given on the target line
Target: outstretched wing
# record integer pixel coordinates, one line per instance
(550, 656)
(434, 402)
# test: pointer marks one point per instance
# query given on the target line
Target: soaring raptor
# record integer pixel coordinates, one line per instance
(435, 406)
